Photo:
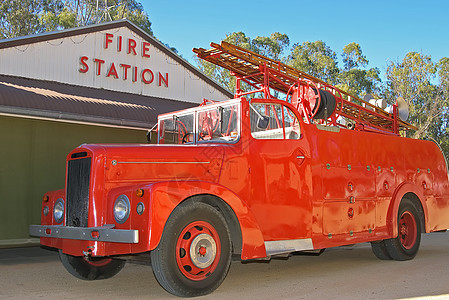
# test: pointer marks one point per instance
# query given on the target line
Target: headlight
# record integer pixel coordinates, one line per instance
(121, 209)
(58, 210)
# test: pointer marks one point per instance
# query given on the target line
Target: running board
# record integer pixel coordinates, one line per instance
(287, 246)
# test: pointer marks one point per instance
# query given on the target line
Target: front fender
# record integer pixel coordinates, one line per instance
(165, 196)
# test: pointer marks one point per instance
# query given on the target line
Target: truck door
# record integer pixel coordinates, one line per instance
(280, 173)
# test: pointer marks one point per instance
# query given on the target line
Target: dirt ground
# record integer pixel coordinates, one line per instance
(339, 273)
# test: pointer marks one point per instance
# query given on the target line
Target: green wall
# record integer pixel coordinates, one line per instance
(33, 154)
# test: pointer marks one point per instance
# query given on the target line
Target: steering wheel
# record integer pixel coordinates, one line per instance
(185, 138)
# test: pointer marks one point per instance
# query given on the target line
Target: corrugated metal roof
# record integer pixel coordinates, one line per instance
(52, 100)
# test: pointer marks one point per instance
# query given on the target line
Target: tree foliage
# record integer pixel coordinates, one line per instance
(354, 78)
(316, 59)
(441, 128)
(272, 46)
(25, 17)
(353, 57)
(96, 11)
(425, 86)
(412, 79)
(19, 17)
(223, 76)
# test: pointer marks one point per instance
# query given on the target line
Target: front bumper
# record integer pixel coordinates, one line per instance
(105, 233)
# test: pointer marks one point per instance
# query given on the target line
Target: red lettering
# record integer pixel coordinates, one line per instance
(132, 46)
(134, 74)
(99, 62)
(112, 71)
(125, 71)
(85, 67)
(108, 40)
(119, 43)
(145, 49)
(143, 76)
(162, 79)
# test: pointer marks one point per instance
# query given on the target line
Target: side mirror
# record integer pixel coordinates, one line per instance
(262, 122)
(149, 136)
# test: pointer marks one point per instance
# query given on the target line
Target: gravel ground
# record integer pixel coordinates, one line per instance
(339, 273)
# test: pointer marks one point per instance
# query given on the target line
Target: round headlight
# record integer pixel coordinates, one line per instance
(121, 209)
(58, 210)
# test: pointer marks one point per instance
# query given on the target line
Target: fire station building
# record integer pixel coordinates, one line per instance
(103, 83)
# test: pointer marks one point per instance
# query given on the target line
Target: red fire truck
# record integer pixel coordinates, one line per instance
(254, 177)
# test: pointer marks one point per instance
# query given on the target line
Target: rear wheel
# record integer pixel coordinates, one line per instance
(194, 254)
(380, 250)
(92, 268)
(406, 245)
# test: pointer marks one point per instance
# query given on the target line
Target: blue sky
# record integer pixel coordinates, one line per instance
(386, 30)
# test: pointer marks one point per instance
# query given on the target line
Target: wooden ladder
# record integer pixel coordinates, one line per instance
(263, 74)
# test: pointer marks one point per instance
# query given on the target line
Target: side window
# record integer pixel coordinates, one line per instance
(273, 121)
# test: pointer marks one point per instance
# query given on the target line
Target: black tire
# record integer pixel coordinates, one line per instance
(92, 269)
(198, 269)
(406, 245)
(380, 250)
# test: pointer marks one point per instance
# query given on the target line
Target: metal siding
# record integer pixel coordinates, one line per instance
(59, 60)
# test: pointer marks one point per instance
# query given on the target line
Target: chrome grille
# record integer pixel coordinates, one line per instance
(78, 179)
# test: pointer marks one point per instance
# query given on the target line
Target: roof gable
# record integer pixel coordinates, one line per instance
(116, 56)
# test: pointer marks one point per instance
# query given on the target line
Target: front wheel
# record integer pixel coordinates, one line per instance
(92, 268)
(406, 245)
(194, 254)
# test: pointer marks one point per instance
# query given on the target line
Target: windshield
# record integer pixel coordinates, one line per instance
(211, 123)
(175, 128)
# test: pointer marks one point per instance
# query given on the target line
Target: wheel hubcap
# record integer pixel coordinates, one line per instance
(198, 250)
(407, 230)
(203, 250)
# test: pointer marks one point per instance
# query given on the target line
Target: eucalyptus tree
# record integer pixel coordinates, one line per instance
(425, 86)
(316, 59)
(272, 46)
(25, 17)
(354, 77)
(19, 18)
